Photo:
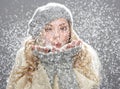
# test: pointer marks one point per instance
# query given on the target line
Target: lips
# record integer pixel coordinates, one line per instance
(58, 44)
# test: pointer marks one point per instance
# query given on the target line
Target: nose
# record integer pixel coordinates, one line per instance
(56, 34)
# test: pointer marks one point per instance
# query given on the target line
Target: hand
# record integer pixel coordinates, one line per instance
(53, 49)
(44, 49)
(72, 44)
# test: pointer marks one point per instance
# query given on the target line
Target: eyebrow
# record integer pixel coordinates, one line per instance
(62, 24)
(48, 25)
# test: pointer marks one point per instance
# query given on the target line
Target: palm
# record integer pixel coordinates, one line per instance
(53, 48)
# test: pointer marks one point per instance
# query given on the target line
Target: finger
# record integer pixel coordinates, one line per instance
(35, 47)
(53, 49)
(32, 47)
(39, 48)
(46, 50)
(56, 49)
(78, 43)
(68, 46)
(73, 42)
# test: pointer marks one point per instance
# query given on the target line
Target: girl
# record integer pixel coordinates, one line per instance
(54, 57)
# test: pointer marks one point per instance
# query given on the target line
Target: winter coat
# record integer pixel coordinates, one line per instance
(86, 76)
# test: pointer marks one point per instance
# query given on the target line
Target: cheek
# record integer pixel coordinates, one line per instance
(48, 35)
(65, 36)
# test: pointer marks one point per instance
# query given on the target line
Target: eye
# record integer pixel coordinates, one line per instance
(63, 28)
(48, 29)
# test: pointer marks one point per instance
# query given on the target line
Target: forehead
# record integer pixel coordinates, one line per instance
(60, 21)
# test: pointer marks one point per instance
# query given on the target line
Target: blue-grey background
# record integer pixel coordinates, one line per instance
(96, 21)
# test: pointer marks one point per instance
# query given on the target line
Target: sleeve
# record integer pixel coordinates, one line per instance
(19, 61)
(88, 72)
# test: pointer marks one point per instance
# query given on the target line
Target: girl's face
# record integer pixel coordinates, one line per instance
(57, 33)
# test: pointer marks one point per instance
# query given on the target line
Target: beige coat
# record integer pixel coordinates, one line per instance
(86, 80)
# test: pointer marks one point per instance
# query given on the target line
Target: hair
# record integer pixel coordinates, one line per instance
(82, 59)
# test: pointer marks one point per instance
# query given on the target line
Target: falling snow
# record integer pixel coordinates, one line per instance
(96, 21)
